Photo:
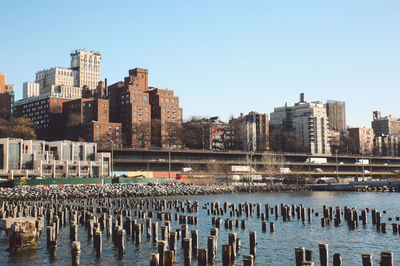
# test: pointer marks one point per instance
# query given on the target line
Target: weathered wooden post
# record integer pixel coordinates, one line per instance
(172, 245)
(154, 259)
(300, 255)
(226, 255)
(53, 248)
(187, 251)
(212, 248)
(202, 257)
(323, 254)
(162, 246)
(386, 258)
(232, 243)
(154, 229)
(271, 227)
(253, 243)
(169, 258)
(367, 259)
(337, 259)
(248, 260)
(73, 232)
(195, 241)
(75, 253)
(98, 243)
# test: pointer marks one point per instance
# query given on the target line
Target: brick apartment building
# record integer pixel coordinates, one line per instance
(6, 98)
(92, 114)
(129, 104)
(46, 112)
(220, 134)
(363, 139)
(166, 118)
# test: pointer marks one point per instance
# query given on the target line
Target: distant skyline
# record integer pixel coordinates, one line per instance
(221, 58)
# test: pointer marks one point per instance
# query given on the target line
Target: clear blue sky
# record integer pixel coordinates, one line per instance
(220, 57)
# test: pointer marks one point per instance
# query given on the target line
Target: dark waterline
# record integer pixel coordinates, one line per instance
(272, 249)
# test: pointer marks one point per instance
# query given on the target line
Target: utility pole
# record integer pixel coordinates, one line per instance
(112, 158)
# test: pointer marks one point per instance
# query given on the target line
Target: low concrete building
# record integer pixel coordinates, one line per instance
(56, 159)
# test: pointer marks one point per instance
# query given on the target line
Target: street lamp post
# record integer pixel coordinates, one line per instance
(169, 161)
(387, 164)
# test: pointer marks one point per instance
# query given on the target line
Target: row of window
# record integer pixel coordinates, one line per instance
(109, 127)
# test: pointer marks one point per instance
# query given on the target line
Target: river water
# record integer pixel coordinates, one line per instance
(273, 248)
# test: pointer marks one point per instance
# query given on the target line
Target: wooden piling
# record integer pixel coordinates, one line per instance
(212, 248)
(248, 260)
(169, 258)
(253, 243)
(154, 259)
(386, 258)
(98, 243)
(187, 251)
(323, 254)
(300, 255)
(226, 255)
(337, 259)
(162, 246)
(75, 253)
(367, 259)
(195, 241)
(202, 257)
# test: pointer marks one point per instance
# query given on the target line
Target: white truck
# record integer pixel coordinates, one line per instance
(284, 170)
(362, 161)
(316, 160)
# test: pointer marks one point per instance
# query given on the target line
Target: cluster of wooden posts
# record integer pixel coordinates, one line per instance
(137, 218)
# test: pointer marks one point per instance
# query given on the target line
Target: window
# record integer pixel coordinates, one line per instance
(109, 133)
(98, 138)
(117, 127)
(104, 117)
(98, 126)
(98, 132)
(116, 133)
(110, 127)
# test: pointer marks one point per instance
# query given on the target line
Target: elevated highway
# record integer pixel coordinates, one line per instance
(341, 166)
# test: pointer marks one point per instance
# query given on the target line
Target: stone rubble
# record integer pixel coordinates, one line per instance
(137, 190)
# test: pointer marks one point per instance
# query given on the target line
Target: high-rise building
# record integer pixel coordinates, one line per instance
(30, 89)
(6, 98)
(387, 125)
(336, 112)
(363, 139)
(387, 145)
(84, 71)
(93, 117)
(166, 118)
(129, 105)
(310, 122)
(255, 132)
(46, 113)
(87, 66)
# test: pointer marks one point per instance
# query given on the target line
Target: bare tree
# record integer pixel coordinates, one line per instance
(141, 134)
(196, 133)
(272, 162)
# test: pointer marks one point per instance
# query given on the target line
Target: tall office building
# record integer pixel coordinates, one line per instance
(387, 125)
(6, 98)
(336, 112)
(87, 66)
(310, 122)
(30, 89)
(84, 71)
(254, 132)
